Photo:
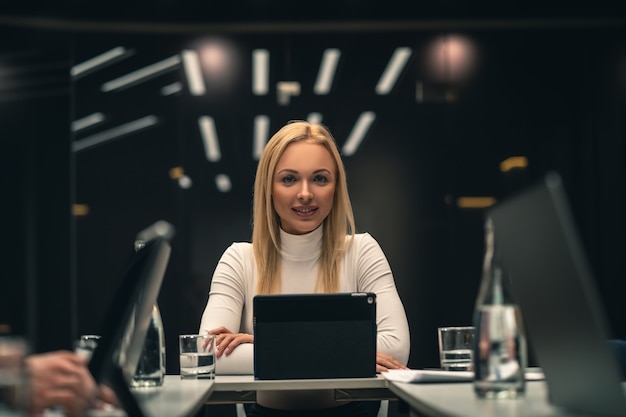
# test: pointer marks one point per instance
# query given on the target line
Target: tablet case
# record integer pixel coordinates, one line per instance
(310, 336)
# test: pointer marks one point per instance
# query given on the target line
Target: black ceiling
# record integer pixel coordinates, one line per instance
(225, 11)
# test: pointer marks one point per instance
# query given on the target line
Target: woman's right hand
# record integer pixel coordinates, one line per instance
(226, 341)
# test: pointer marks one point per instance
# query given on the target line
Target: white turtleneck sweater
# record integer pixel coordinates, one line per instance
(364, 269)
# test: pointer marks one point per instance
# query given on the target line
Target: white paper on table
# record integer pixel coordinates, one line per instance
(433, 375)
(427, 375)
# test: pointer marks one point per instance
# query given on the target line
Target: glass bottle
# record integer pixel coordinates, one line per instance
(151, 367)
(500, 353)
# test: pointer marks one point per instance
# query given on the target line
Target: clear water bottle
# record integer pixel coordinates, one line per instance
(150, 370)
(500, 353)
(151, 367)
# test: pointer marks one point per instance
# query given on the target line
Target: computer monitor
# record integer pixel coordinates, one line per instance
(562, 308)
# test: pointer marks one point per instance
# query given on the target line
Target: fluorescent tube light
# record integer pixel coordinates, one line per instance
(191, 64)
(142, 74)
(173, 88)
(87, 121)
(99, 61)
(395, 66)
(114, 133)
(359, 131)
(327, 70)
(261, 131)
(260, 71)
(209, 138)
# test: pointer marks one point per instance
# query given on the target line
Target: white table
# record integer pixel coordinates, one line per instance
(459, 400)
(175, 398)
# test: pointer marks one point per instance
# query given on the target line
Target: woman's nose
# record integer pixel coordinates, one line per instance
(305, 192)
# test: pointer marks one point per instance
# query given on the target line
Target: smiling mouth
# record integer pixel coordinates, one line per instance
(304, 210)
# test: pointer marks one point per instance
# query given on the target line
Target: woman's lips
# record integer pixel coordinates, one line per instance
(304, 211)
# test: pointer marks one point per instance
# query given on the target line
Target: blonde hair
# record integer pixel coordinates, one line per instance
(266, 224)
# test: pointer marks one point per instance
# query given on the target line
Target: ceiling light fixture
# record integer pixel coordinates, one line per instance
(141, 75)
(395, 66)
(209, 138)
(359, 131)
(191, 64)
(261, 132)
(260, 71)
(173, 88)
(114, 133)
(87, 121)
(99, 61)
(326, 74)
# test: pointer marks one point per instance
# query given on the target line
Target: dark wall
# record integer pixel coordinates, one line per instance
(38, 283)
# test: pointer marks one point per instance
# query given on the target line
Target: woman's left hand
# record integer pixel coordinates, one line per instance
(385, 362)
(226, 341)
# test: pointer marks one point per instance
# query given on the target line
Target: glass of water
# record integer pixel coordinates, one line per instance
(456, 348)
(197, 356)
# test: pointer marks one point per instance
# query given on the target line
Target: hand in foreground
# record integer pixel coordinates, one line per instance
(60, 378)
(106, 398)
(226, 341)
(385, 362)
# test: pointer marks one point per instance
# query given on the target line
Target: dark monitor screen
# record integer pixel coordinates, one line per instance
(126, 322)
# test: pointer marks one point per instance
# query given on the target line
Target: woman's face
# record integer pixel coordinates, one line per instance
(303, 187)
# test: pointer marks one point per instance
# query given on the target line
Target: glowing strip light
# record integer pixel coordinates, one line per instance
(209, 138)
(513, 162)
(173, 88)
(142, 74)
(260, 72)
(475, 202)
(114, 133)
(87, 121)
(261, 132)
(315, 118)
(98, 61)
(395, 66)
(327, 71)
(359, 131)
(191, 64)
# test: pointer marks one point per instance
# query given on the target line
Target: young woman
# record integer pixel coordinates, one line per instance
(303, 241)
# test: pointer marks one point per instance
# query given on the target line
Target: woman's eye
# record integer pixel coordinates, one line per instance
(320, 179)
(289, 179)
